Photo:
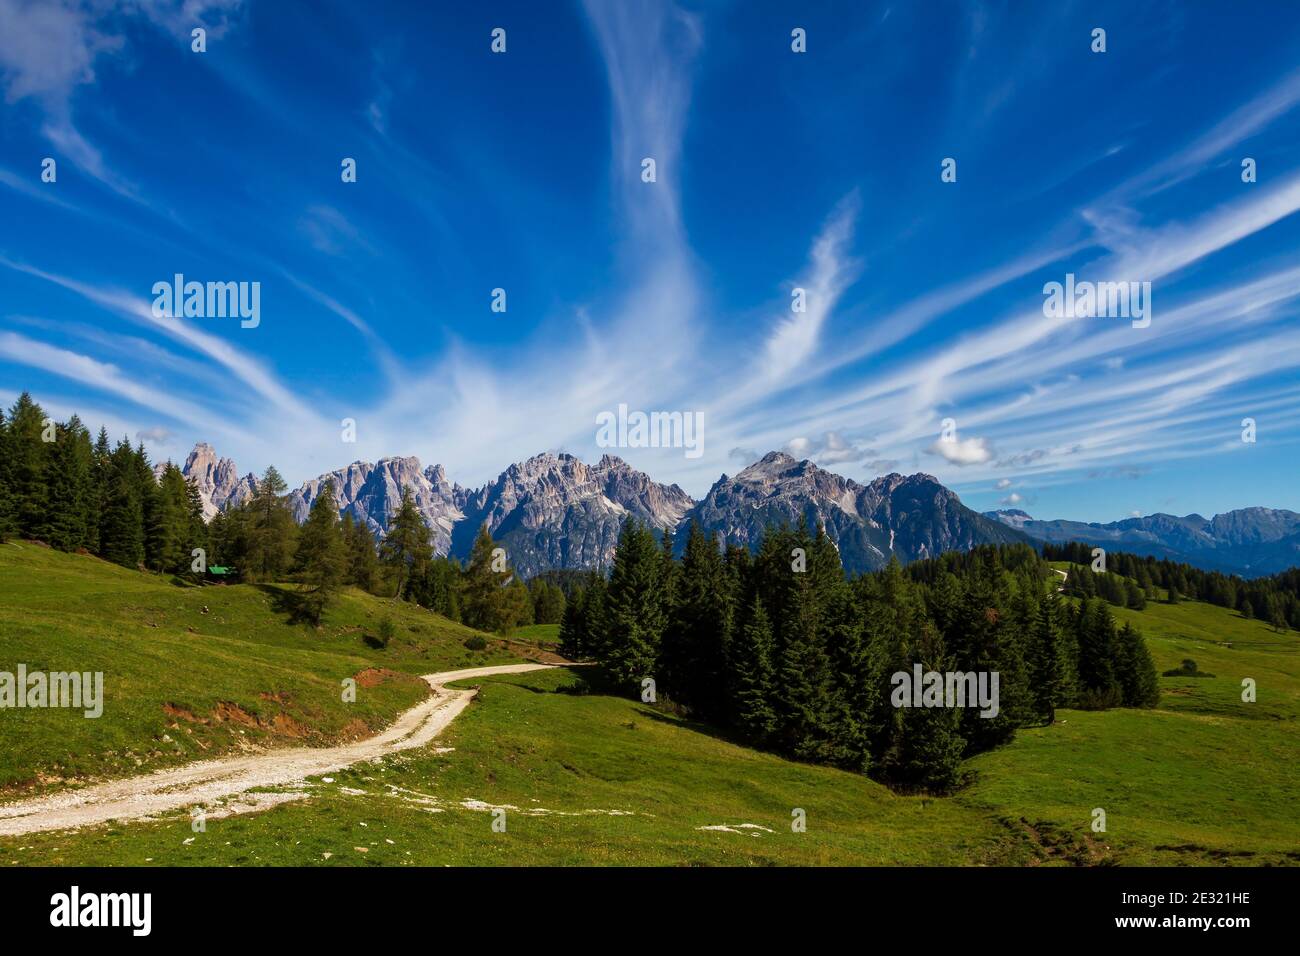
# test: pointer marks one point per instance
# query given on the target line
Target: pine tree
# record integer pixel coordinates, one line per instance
(438, 588)
(896, 624)
(67, 483)
(634, 609)
(983, 644)
(271, 530)
(170, 535)
(1095, 629)
(28, 453)
(406, 548)
(803, 689)
(928, 746)
(571, 629)
(752, 677)
(1045, 660)
(593, 623)
(362, 557)
(515, 608)
(548, 601)
(482, 600)
(858, 658)
(321, 559)
(694, 647)
(1137, 671)
(101, 469)
(121, 527)
(6, 492)
(156, 512)
(196, 531)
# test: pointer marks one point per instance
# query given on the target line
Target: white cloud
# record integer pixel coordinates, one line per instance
(797, 336)
(831, 449)
(967, 451)
(50, 48)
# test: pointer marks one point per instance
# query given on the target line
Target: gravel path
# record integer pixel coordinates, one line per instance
(201, 783)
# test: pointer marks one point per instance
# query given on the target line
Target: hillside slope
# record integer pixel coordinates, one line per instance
(584, 778)
(192, 672)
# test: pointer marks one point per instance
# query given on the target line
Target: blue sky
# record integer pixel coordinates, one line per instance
(775, 170)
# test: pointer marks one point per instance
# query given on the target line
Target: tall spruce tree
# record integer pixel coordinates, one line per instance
(406, 548)
(804, 706)
(28, 450)
(101, 470)
(68, 488)
(752, 677)
(321, 559)
(271, 530)
(196, 530)
(484, 602)
(571, 629)
(1046, 663)
(6, 491)
(694, 649)
(1095, 630)
(634, 609)
(121, 527)
(362, 556)
(1137, 671)
(927, 749)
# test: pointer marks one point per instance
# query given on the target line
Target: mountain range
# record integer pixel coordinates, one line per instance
(1249, 541)
(556, 511)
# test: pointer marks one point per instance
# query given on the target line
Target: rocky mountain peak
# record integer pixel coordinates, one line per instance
(910, 516)
(218, 481)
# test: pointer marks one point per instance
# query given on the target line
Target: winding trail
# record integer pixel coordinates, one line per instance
(201, 783)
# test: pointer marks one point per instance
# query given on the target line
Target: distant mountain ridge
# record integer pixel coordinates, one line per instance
(1248, 541)
(905, 516)
(555, 511)
(373, 493)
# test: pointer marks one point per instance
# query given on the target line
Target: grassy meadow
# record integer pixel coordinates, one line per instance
(585, 778)
(196, 672)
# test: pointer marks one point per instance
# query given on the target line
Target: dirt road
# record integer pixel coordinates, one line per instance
(201, 783)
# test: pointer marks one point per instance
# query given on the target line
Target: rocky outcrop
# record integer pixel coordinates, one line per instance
(373, 493)
(556, 511)
(219, 484)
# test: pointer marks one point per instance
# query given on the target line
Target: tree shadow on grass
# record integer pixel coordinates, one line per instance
(579, 687)
(715, 731)
(295, 605)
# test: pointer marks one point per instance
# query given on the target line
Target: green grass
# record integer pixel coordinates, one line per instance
(1202, 779)
(542, 634)
(624, 783)
(161, 646)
